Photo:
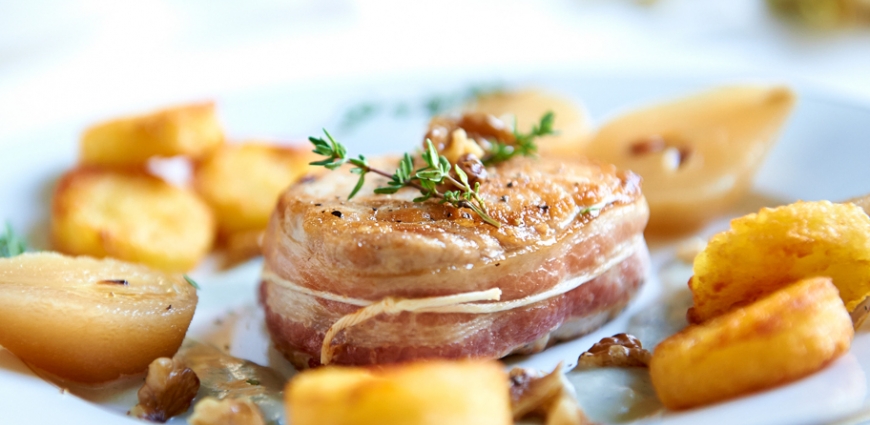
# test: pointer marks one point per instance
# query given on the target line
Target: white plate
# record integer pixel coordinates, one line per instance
(822, 155)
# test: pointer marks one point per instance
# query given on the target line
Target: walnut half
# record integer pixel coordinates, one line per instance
(228, 411)
(620, 350)
(548, 396)
(168, 390)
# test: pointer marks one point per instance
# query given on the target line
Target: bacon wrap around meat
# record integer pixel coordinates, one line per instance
(568, 256)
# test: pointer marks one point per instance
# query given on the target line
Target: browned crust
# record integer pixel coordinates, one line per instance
(377, 246)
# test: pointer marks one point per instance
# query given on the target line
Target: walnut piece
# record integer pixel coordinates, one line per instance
(473, 168)
(470, 133)
(168, 390)
(460, 145)
(530, 391)
(547, 396)
(620, 350)
(228, 411)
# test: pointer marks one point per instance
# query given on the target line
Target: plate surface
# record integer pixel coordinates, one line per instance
(822, 154)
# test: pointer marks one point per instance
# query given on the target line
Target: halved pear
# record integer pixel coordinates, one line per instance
(697, 155)
(528, 106)
(90, 320)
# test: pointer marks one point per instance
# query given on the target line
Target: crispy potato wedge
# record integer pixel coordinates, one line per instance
(436, 392)
(785, 336)
(696, 155)
(90, 320)
(131, 216)
(528, 106)
(242, 182)
(191, 130)
(766, 251)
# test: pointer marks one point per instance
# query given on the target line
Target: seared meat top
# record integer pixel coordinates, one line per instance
(538, 201)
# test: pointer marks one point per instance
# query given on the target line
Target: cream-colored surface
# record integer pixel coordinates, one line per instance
(528, 106)
(697, 155)
(90, 320)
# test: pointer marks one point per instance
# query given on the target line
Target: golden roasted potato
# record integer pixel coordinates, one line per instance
(435, 392)
(766, 251)
(131, 216)
(528, 106)
(90, 320)
(191, 130)
(696, 155)
(785, 336)
(242, 182)
(241, 246)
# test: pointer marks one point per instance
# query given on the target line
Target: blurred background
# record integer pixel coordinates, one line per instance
(77, 61)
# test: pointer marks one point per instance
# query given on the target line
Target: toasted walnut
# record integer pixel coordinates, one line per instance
(168, 390)
(228, 411)
(564, 410)
(547, 396)
(440, 131)
(461, 145)
(471, 133)
(480, 125)
(530, 391)
(473, 168)
(620, 350)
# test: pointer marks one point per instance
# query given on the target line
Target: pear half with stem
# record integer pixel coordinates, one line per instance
(697, 155)
(89, 320)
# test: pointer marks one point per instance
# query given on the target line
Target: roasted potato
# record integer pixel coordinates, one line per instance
(435, 392)
(242, 182)
(191, 130)
(782, 337)
(528, 106)
(766, 251)
(696, 155)
(131, 216)
(90, 320)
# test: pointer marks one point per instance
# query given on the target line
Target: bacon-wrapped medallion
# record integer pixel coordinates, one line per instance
(381, 279)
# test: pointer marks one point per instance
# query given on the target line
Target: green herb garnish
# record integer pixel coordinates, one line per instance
(356, 115)
(253, 382)
(524, 143)
(10, 243)
(192, 282)
(437, 170)
(427, 179)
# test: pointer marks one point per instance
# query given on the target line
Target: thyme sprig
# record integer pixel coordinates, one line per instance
(428, 179)
(10, 243)
(524, 143)
(192, 282)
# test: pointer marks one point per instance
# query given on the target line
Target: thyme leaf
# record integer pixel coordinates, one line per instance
(10, 243)
(524, 144)
(192, 282)
(427, 179)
